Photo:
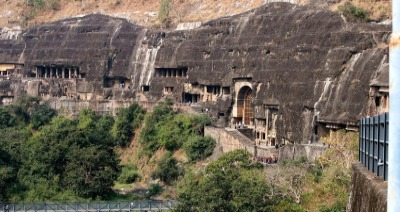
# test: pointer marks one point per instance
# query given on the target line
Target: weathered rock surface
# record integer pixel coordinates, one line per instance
(368, 192)
(309, 65)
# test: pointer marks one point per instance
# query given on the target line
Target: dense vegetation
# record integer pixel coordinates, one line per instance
(232, 183)
(164, 129)
(44, 156)
(235, 183)
(48, 157)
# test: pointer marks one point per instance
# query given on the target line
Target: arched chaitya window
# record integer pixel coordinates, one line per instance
(248, 110)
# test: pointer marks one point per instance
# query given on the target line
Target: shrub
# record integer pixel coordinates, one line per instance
(41, 115)
(153, 122)
(198, 148)
(129, 174)
(353, 13)
(55, 5)
(154, 190)
(231, 183)
(128, 119)
(167, 169)
(334, 208)
(163, 12)
(6, 119)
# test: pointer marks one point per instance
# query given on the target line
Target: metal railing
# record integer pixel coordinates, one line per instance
(149, 205)
(374, 145)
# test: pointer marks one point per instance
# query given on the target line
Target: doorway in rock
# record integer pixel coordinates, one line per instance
(248, 110)
(245, 109)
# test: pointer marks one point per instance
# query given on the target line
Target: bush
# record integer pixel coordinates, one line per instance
(55, 5)
(154, 190)
(153, 122)
(231, 183)
(198, 148)
(353, 13)
(129, 174)
(167, 169)
(163, 12)
(41, 115)
(128, 119)
(6, 119)
(334, 208)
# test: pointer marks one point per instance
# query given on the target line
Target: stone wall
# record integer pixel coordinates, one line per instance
(228, 139)
(368, 192)
(298, 151)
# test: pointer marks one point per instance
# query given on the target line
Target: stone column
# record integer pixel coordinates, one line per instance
(45, 72)
(51, 72)
(63, 72)
(266, 127)
(69, 72)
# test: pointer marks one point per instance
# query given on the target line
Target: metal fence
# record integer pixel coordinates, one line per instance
(373, 144)
(150, 205)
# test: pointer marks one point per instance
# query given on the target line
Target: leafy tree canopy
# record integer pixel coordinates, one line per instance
(232, 183)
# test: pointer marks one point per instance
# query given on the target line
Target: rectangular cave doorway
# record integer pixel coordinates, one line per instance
(191, 98)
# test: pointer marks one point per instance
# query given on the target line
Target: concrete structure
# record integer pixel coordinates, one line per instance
(368, 192)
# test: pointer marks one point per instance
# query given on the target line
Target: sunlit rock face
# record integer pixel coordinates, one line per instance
(290, 72)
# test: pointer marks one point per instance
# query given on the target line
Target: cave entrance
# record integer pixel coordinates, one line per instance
(191, 98)
(245, 109)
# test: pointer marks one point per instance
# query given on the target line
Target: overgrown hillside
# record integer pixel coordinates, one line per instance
(45, 157)
(151, 13)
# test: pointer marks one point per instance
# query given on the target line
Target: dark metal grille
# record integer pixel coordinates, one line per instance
(150, 205)
(373, 144)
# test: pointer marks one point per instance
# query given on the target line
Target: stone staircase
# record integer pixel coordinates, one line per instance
(249, 133)
(240, 136)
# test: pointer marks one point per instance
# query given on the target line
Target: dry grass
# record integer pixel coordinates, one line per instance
(144, 12)
(377, 9)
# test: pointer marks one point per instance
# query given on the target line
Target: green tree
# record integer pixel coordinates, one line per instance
(167, 169)
(75, 157)
(91, 171)
(129, 174)
(199, 148)
(41, 115)
(149, 136)
(199, 122)
(6, 119)
(7, 173)
(232, 183)
(154, 190)
(127, 121)
(174, 132)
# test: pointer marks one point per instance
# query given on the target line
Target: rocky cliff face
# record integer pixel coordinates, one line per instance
(290, 72)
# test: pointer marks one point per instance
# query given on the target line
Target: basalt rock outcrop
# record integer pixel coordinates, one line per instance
(290, 72)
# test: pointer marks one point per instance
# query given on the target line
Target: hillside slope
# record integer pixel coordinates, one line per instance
(144, 12)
